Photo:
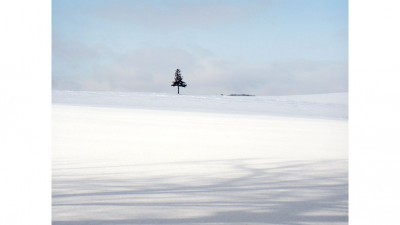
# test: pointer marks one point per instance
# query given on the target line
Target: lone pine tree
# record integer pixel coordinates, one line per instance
(178, 80)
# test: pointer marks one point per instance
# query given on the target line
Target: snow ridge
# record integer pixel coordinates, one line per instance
(326, 106)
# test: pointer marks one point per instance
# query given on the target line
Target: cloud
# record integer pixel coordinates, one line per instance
(152, 69)
(177, 13)
(281, 78)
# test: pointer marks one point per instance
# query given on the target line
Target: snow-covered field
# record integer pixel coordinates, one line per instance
(146, 158)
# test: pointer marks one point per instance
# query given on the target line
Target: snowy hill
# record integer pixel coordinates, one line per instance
(332, 106)
(147, 158)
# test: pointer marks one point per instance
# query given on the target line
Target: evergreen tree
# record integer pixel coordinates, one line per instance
(178, 80)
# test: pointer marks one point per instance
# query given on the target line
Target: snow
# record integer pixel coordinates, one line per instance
(314, 106)
(147, 158)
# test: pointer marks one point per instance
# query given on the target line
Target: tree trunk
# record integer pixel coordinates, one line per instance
(178, 89)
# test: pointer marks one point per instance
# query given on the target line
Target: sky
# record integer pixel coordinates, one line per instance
(261, 47)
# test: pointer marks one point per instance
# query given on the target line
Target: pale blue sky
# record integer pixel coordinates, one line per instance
(262, 47)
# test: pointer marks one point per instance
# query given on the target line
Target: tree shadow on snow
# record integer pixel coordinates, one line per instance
(291, 192)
